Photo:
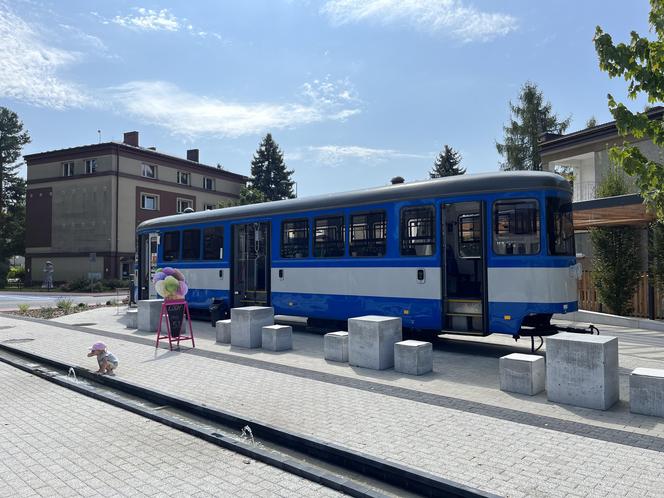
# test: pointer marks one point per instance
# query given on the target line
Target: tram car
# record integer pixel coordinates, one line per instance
(470, 254)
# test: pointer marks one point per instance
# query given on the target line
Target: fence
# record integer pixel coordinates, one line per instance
(589, 300)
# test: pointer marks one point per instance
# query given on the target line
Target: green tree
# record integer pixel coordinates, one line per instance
(447, 164)
(592, 122)
(12, 189)
(641, 63)
(616, 255)
(529, 118)
(269, 175)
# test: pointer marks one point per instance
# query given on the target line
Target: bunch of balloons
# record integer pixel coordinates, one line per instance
(170, 284)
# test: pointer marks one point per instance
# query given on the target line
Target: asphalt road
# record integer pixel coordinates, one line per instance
(11, 300)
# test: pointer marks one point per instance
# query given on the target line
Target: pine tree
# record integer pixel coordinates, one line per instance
(530, 117)
(269, 175)
(447, 164)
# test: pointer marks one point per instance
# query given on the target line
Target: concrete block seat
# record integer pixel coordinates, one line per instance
(247, 325)
(335, 346)
(522, 373)
(132, 318)
(646, 392)
(371, 341)
(413, 357)
(223, 331)
(149, 311)
(582, 370)
(277, 337)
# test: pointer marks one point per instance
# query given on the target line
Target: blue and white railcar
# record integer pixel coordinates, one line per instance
(471, 254)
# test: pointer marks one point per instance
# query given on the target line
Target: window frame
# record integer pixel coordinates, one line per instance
(220, 256)
(183, 199)
(156, 198)
(351, 231)
(343, 235)
(212, 183)
(209, 207)
(198, 239)
(178, 254)
(184, 174)
(477, 219)
(144, 168)
(494, 224)
(68, 168)
(90, 166)
(307, 252)
(405, 230)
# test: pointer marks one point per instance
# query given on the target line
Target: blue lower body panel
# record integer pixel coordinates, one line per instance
(202, 298)
(498, 313)
(415, 313)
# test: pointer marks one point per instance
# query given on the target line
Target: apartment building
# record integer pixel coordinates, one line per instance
(84, 203)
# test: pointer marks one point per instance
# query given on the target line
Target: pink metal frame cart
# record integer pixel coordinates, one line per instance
(169, 336)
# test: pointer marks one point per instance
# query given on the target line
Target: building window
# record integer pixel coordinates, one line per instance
(329, 237)
(68, 169)
(516, 228)
(209, 207)
(213, 243)
(368, 234)
(208, 183)
(171, 246)
(150, 201)
(149, 170)
(470, 236)
(90, 166)
(184, 204)
(417, 231)
(295, 239)
(183, 178)
(191, 244)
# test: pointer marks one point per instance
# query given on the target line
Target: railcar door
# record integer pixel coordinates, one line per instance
(148, 245)
(464, 268)
(251, 265)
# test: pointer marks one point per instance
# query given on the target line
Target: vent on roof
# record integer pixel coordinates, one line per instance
(152, 148)
(131, 138)
(192, 155)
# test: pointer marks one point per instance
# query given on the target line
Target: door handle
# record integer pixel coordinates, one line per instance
(420, 276)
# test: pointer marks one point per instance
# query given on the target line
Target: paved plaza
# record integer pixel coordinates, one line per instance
(454, 422)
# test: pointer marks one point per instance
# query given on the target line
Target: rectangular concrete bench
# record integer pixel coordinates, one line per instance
(646, 392)
(522, 373)
(223, 331)
(277, 337)
(582, 370)
(132, 318)
(335, 346)
(413, 357)
(247, 325)
(371, 341)
(149, 311)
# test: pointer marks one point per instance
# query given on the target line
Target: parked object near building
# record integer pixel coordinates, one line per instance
(89, 199)
(469, 254)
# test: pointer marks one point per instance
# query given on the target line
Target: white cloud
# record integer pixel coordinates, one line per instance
(149, 20)
(453, 16)
(332, 155)
(183, 113)
(29, 66)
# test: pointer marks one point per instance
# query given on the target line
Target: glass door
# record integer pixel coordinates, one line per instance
(251, 264)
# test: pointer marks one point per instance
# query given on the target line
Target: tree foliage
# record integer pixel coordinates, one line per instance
(530, 117)
(12, 189)
(656, 253)
(269, 176)
(616, 255)
(592, 122)
(447, 164)
(641, 63)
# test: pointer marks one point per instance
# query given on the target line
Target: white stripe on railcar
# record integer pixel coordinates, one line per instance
(207, 278)
(532, 285)
(374, 281)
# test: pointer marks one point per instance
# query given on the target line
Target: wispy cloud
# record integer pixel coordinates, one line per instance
(29, 66)
(452, 16)
(183, 113)
(333, 155)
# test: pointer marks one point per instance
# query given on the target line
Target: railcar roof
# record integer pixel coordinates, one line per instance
(440, 187)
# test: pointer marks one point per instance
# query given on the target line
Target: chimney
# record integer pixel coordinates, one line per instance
(131, 138)
(192, 155)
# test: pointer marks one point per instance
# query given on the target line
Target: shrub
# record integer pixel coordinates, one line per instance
(47, 312)
(4, 270)
(65, 304)
(17, 272)
(23, 308)
(82, 305)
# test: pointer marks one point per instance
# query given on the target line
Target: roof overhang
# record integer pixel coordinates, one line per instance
(620, 210)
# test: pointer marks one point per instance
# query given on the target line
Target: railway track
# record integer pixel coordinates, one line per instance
(345, 470)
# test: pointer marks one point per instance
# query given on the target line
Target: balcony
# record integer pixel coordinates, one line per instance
(584, 191)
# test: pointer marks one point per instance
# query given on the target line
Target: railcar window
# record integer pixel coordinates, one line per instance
(417, 231)
(329, 237)
(191, 244)
(470, 236)
(516, 229)
(560, 231)
(171, 242)
(213, 243)
(295, 239)
(368, 234)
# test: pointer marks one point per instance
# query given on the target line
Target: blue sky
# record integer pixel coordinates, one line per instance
(354, 91)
